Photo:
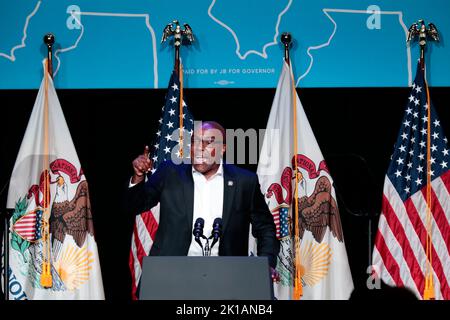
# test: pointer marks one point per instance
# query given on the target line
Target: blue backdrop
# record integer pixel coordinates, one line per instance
(116, 44)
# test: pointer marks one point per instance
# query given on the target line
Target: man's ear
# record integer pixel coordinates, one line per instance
(224, 148)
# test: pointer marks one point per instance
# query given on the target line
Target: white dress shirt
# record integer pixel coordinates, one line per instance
(208, 204)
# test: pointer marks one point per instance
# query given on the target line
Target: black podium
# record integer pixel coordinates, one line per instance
(205, 278)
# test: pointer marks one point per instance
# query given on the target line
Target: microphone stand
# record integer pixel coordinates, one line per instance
(207, 251)
(212, 245)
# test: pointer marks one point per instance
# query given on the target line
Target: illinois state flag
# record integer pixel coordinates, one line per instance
(324, 268)
(53, 253)
(412, 245)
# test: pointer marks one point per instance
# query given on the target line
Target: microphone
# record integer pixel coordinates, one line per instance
(217, 230)
(198, 230)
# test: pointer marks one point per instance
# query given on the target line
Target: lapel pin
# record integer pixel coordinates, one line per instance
(230, 183)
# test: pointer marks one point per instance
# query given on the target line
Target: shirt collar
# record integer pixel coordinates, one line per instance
(219, 171)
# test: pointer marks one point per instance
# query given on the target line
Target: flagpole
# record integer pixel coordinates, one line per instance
(286, 39)
(423, 32)
(49, 40)
(174, 29)
(46, 280)
(177, 68)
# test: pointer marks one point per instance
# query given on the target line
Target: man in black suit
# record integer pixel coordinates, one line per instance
(207, 188)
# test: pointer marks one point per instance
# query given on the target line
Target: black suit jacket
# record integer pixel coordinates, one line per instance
(243, 203)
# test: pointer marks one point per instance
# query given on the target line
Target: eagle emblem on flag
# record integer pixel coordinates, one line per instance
(317, 211)
(70, 214)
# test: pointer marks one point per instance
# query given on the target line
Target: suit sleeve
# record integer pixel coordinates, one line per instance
(146, 195)
(263, 226)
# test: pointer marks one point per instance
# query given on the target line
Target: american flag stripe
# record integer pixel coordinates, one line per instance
(415, 202)
(406, 218)
(25, 231)
(421, 231)
(441, 258)
(26, 226)
(441, 191)
(144, 232)
(138, 252)
(446, 180)
(408, 254)
(392, 259)
(27, 221)
(150, 222)
(437, 241)
(382, 252)
(276, 219)
(440, 221)
(416, 229)
(135, 267)
(399, 211)
(29, 217)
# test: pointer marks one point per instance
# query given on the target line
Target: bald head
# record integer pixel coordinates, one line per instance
(217, 126)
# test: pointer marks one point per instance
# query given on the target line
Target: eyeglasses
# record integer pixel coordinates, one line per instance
(205, 143)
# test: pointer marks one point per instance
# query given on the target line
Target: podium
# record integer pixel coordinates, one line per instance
(205, 278)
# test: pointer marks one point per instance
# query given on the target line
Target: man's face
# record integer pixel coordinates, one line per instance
(207, 149)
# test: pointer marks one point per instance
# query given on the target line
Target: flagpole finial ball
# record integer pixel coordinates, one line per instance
(286, 38)
(49, 39)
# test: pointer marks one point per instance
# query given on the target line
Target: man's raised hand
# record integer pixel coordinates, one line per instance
(141, 166)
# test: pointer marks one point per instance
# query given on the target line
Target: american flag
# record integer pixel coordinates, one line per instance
(29, 226)
(166, 141)
(400, 253)
(280, 218)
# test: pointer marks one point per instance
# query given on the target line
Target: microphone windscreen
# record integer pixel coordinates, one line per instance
(200, 222)
(218, 221)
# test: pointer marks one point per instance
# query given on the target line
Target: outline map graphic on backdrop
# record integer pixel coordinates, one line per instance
(105, 44)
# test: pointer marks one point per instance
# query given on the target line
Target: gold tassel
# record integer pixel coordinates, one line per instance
(46, 276)
(428, 293)
(298, 286)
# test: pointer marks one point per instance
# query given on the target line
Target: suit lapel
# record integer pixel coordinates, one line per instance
(229, 189)
(188, 192)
